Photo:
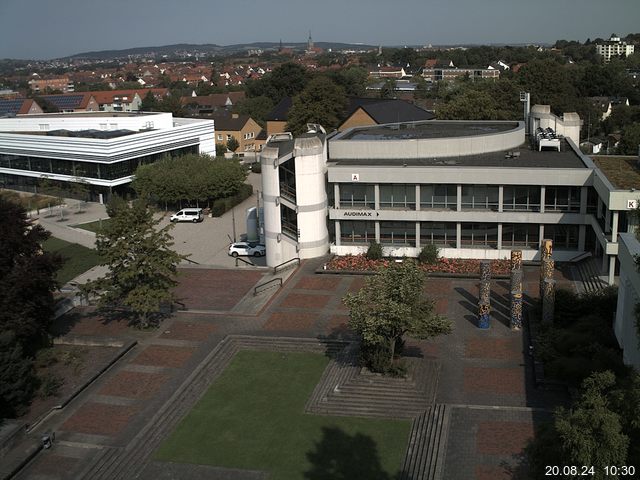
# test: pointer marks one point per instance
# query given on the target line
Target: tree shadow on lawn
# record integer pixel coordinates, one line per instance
(340, 456)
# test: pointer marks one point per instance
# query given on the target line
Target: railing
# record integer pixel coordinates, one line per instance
(191, 261)
(266, 285)
(285, 265)
(238, 259)
(580, 257)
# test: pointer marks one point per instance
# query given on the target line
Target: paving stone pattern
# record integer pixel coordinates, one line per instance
(470, 394)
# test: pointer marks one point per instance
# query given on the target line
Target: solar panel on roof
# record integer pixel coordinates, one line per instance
(10, 106)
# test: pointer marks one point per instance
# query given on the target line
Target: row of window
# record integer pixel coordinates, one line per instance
(104, 171)
(473, 235)
(474, 197)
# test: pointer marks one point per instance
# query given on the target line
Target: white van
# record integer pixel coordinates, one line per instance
(187, 215)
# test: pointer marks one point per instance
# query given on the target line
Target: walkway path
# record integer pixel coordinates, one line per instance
(477, 409)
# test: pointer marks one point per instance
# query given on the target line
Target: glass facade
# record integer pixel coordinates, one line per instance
(357, 233)
(480, 197)
(400, 197)
(103, 171)
(563, 236)
(287, 175)
(562, 199)
(398, 234)
(479, 235)
(521, 198)
(289, 221)
(356, 195)
(438, 196)
(441, 234)
(521, 235)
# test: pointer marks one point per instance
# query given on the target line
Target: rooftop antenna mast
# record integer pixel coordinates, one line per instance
(525, 98)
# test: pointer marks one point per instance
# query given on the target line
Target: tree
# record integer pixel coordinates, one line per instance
(392, 304)
(232, 144)
(257, 108)
(17, 378)
(388, 89)
(286, 80)
(322, 101)
(630, 141)
(142, 265)
(149, 103)
(27, 277)
(589, 433)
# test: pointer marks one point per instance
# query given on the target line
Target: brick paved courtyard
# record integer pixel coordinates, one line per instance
(484, 374)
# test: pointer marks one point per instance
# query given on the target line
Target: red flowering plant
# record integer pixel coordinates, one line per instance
(470, 266)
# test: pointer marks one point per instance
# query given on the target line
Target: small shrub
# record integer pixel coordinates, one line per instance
(429, 254)
(73, 358)
(374, 252)
(217, 209)
(50, 385)
(45, 357)
(256, 167)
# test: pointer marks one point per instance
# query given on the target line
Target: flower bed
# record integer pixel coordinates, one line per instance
(465, 266)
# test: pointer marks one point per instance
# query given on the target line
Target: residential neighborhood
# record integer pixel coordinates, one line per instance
(257, 252)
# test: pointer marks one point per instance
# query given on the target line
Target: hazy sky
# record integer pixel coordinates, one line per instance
(45, 29)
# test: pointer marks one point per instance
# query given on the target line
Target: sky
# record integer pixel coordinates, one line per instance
(45, 29)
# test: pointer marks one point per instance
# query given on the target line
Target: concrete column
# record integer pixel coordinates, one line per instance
(500, 235)
(614, 226)
(338, 232)
(417, 234)
(500, 200)
(459, 198)
(612, 269)
(336, 195)
(584, 192)
(607, 221)
(541, 233)
(542, 194)
(458, 235)
(418, 196)
(599, 210)
(582, 237)
(376, 194)
(377, 232)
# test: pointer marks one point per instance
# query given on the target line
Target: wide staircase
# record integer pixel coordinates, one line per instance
(588, 273)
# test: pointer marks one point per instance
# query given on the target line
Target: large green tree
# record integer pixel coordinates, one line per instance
(322, 101)
(392, 304)
(286, 80)
(189, 178)
(27, 277)
(141, 264)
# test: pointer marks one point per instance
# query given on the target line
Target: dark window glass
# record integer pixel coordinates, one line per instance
(520, 235)
(357, 233)
(479, 235)
(438, 196)
(399, 234)
(480, 197)
(563, 236)
(355, 195)
(441, 234)
(400, 197)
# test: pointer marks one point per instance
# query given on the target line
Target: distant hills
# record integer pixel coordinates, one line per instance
(208, 49)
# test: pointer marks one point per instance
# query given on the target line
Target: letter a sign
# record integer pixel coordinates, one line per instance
(355, 177)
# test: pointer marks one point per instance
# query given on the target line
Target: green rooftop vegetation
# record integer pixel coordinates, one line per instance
(622, 171)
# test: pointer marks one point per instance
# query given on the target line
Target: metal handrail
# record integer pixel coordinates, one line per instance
(245, 261)
(273, 280)
(275, 269)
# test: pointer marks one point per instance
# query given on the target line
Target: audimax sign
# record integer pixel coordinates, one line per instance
(362, 213)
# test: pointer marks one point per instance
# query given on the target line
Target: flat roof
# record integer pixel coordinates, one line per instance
(525, 157)
(622, 171)
(87, 114)
(427, 129)
(104, 134)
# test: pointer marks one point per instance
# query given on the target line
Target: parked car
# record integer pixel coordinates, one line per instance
(187, 215)
(247, 249)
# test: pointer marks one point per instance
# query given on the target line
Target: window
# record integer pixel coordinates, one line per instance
(401, 197)
(480, 197)
(43, 126)
(289, 222)
(479, 235)
(441, 234)
(220, 137)
(521, 235)
(228, 137)
(287, 173)
(398, 234)
(562, 199)
(357, 233)
(563, 236)
(438, 196)
(356, 195)
(521, 198)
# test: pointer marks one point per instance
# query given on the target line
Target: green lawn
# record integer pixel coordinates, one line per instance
(78, 259)
(253, 418)
(94, 226)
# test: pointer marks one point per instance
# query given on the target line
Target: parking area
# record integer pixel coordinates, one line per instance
(207, 243)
